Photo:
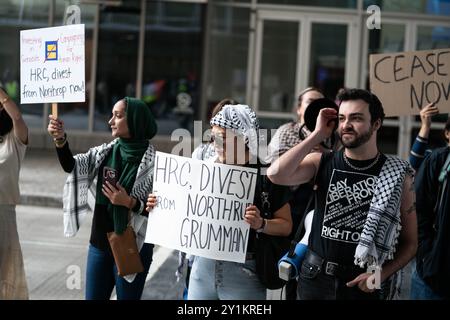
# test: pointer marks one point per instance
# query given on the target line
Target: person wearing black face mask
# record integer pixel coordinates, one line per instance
(13, 143)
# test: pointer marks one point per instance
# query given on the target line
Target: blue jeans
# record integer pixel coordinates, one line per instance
(420, 290)
(224, 280)
(101, 275)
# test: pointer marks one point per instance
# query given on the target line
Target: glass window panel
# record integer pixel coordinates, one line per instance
(390, 38)
(75, 115)
(228, 54)
(172, 63)
(436, 37)
(318, 3)
(116, 58)
(327, 57)
(431, 7)
(16, 16)
(278, 66)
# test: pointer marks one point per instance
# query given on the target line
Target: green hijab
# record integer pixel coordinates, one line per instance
(127, 154)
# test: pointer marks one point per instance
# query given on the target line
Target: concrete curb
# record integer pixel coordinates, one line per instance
(41, 200)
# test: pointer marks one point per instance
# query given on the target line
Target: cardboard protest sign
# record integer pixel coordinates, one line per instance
(52, 65)
(406, 82)
(200, 207)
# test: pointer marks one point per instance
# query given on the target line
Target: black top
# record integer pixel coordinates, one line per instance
(433, 253)
(343, 199)
(278, 196)
(102, 221)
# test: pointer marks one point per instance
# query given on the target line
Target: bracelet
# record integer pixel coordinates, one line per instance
(263, 226)
(59, 142)
(4, 100)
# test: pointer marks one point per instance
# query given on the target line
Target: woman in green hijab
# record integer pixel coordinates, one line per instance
(127, 162)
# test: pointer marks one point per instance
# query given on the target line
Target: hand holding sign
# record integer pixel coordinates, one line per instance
(151, 202)
(55, 127)
(253, 217)
(427, 112)
(202, 208)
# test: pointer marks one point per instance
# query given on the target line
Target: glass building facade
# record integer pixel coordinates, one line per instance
(182, 57)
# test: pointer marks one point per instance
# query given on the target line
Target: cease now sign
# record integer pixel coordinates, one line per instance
(406, 82)
(52, 65)
(200, 207)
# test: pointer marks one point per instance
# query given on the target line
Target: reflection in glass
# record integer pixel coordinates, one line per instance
(390, 38)
(172, 63)
(431, 7)
(278, 66)
(318, 3)
(437, 37)
(228, 54)
(117, 58)
(327, 60)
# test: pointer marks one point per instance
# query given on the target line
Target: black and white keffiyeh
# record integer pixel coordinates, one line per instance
(80, 181)
(285, 138)
(242, 120)
(381, 230)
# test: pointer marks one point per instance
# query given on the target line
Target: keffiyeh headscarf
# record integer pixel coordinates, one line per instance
(241, 119)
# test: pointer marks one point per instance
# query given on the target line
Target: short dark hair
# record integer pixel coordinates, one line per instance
(305, 91)
(375, 107)
(6, 123)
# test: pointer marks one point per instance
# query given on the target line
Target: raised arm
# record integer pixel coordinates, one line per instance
(20, 128)
(298, 165)
(56, 130)
(420, 145)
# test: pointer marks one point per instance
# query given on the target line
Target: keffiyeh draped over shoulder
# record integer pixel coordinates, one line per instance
(379, 238)
(80, 180)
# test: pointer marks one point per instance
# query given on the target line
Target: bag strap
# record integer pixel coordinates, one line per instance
(265, 203)
(312, 197)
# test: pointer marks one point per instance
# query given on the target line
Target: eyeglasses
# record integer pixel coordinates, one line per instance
(218, 140)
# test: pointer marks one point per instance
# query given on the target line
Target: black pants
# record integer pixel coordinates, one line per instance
(314, 284)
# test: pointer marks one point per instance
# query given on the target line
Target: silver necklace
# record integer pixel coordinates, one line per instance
(362, 168)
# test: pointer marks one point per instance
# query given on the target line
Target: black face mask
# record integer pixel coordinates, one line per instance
(6, 123)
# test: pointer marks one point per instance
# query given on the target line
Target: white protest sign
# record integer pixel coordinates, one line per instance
(200, 207)
(52, 65)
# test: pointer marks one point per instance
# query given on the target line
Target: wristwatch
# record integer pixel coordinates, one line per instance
(263, 226)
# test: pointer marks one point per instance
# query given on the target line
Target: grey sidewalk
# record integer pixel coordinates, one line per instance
(41, 179)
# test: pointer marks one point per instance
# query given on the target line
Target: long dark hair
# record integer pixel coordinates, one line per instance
(6, 123)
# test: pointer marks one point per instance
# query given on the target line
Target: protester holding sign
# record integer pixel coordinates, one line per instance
(204, 151)
(13, 143)
(237, 125)
(124, 172)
